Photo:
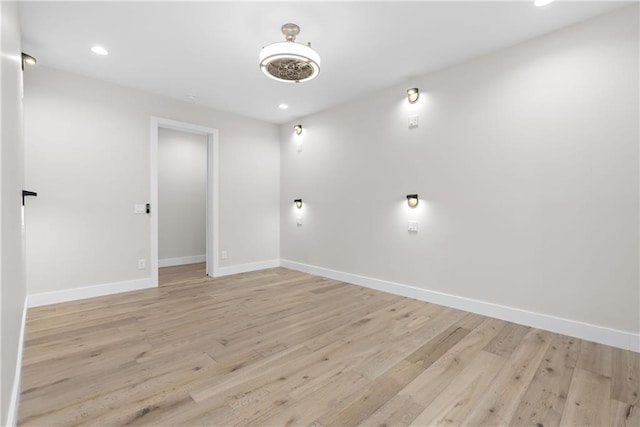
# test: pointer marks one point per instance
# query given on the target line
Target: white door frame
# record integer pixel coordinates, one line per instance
(212, 226)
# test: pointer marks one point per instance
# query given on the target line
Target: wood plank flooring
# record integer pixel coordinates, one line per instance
(284, 348)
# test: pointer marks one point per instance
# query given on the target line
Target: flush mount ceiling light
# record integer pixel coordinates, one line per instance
(99, 50)
(283, 106)
(289, 61)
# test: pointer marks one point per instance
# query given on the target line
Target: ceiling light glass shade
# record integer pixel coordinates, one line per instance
(289, 62)
(298, 129)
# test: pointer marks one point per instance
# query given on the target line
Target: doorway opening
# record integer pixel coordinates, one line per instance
(211, 203)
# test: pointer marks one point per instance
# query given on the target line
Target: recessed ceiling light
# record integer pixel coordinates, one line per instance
(541, 3)
(283, 106)
(99, 50)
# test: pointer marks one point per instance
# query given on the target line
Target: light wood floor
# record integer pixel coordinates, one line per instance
(279, 347)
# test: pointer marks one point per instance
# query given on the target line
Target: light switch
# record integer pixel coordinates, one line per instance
(299, 221)
(412, 226)
(140, 208)
(299, 147)
(413, 122)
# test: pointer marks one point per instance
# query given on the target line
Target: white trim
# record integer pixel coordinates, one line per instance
(213, 202)
(586, 331)
(183, 126)
(153, 200)
(73, 294)
(212, 225)
(170, 262)
(12, 414)
(243, 268)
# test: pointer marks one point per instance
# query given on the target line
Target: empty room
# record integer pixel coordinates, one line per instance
(232, 213)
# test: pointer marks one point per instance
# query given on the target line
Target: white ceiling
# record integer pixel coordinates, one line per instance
(210, 49)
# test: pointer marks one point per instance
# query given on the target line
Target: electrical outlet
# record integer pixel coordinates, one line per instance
(223, 255)
(141, 264)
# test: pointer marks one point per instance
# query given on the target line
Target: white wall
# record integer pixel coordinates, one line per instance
(87, 154)
(11, 179)
(526, 164)
(182, 194)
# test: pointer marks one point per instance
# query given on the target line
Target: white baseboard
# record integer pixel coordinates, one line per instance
(46, 298)
(243, 268)
(170, 262)
(12, 413)
(586, 331)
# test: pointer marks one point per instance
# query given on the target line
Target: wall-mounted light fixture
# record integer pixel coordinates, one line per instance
(26, 193)
(412, 200)
(298, 203)
(28, 59)
(413, 94)
(298, 129)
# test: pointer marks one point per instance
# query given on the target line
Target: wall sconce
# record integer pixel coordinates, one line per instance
(298, 203)
(298, 129)
(26, 193)
(413, 94)
(28, 59)
(412, 200)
